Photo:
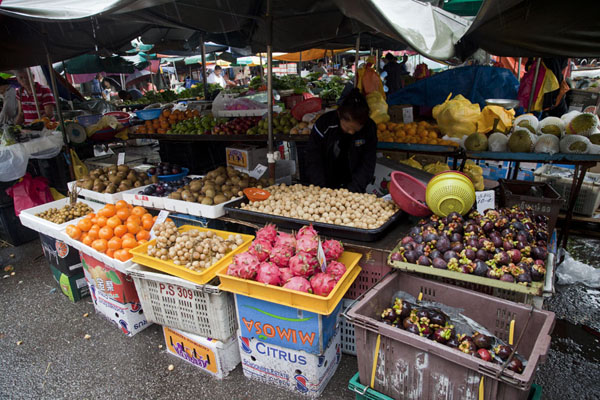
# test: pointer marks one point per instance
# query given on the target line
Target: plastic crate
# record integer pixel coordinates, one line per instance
(518, 193)
(409, 366)
(347, 328)
(177, 303)
(588, 199)
(374, 266)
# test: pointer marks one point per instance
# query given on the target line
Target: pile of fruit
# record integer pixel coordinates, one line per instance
(237, 126)
(66, 213)
(163, 189)
(164, 168)
(331, 206)
(114, 229)
(507, 244)
(113, 179)
(196, 126)
(217, 186)
(433, 324)
(167, 120)
(194, 249)
(282, 259)
(282, 124)
(414, 132)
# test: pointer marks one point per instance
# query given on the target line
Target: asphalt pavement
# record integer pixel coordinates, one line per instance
(44, 353)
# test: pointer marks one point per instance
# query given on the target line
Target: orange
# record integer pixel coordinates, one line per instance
(73, 232)
(120, 230)
(128, 236)
(134, 218)
(95, 227)
(129, 243)
(123, 213)
(93, 234)
(121, 204)
(114, 243)
(101, 221)
(142, 241)
(106, 233)
(133, 227)
(110, 253)
(113, 222)
(108, 211)
(142, 235)
(87, 240)
(84, 224)
(94, 220)
(100, 245)
(147, 224)
(122, 255)
(139, 211)
(90, 215)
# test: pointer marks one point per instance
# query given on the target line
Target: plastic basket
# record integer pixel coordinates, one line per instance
(409, 194)
(374, 266)
(588, 198)
(180, 304)
(450, 191)
(347, 329)
(407, 363)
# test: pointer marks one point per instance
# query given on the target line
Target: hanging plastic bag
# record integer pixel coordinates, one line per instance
(457, 117)
(490, 114)
(370, 82)
(79, 168)
(378, 108)
(14, 161)
(30, 192)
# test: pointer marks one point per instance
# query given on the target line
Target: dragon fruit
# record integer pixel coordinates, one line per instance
(281, 255)
(322, 283)
(268, 233)
(303, 264)
(299, 283)
(261, 248)
(247, 265)
(285, 274)
(337, 269)
(307, 244)
(268, 273)
(333, 249)
(233, 270)
(307, 230)
(285, 239)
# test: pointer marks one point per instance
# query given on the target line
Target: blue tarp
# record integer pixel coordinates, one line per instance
(476, 83)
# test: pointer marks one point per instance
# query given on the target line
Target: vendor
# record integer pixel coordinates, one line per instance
(27, 108)
(216, 77)
(342, 146)
(10, 108)
(107, 91)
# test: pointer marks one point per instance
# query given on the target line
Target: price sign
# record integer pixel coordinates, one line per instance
(258, 171)
(321, 257)
(162, 216)
(407, 115)
(485, 199)
(121, 159)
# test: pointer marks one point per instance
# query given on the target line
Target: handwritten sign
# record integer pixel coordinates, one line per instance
(321, 257)
(121, 159)
(162, 216)
(258, 171)
(407, 115)
(485, 199)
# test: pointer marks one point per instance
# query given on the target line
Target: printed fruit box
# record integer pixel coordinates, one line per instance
(324, 305)
(60, 255)
(140, 256)
(73, 286)
(114, 284)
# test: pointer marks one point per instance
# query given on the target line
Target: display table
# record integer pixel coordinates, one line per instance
(14, 158)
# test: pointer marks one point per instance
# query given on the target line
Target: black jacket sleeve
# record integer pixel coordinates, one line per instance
(314, 156)
(363, 174)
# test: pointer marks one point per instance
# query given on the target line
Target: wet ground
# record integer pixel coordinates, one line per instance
(54, 361)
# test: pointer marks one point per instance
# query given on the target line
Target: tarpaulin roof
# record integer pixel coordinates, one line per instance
(90, 63)
(307, 55)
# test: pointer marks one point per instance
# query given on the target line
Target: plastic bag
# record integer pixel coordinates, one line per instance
(14, 161)
(547, 143)
(498, 141)
(370, 82)
(575, 144)
(30, 192)
(490, 114)
(378, 108)
(571, 271)
(436, 168)
(457, 117)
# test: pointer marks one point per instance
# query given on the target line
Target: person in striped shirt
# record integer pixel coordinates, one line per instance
(27, 110)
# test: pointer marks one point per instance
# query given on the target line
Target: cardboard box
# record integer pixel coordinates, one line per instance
(60, 255)
(210, 355)
(72, 285)
(583, 100)
(245, 156)
(300, 372)
(112, 283)
(286, 326)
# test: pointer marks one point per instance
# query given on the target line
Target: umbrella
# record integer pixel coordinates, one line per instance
(137, 76)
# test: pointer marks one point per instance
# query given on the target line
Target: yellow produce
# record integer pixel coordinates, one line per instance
(414, 132)
(475, 172)
(457, 117)
(436, 168)
(411, 162)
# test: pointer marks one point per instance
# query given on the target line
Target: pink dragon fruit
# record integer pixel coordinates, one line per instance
(285, 239)
(248, 265)
(333, 249)
(285, 274)
(322, 283)
(233, 270)
(306, 230)
(268, 233)
(299, 283)
(307, 244)
(268, 273)
(303, 264)
(261, 248)
(337, 269)
(281, 255)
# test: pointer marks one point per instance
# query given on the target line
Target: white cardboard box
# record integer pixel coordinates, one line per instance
(210, 355)
(298, 371)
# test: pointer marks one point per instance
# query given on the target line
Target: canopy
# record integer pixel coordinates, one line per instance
(90, 63)
(307, 55)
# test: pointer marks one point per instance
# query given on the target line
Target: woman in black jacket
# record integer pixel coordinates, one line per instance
(342, 146)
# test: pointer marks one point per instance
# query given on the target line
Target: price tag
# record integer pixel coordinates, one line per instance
(121, 159)
(321, 257)
(387, 197)
(258, 171)
(485, 199)
(407, 115)
(162, 216)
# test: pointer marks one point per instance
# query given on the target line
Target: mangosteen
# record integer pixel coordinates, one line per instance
(454, 216)
(423, 313)
(437, 318)
(456, 237)
(439, 263)
(470, 254)
(507, 245)
(442, 335)
(482, 341)
(507, 278)
(457, 247)
(467, 347)
(406, 240)
(418, 239)
(425, 330)
(488, 226)
(388, 315)
(524, 276)
(473, 243)
(402, 308)
(506, 233)
(484, 354)
(443, 244)
(409, 246)
(502, 258)
(467, 268)
(420, 248)
(493, 273)
(515, 255)
(434, 254)
(413, 328)
(541, 219)
(515, 365)
(412, 319)
(529, 226)
(541, 235)
(411, 256)
(453, 342)
(424, 260)
(159, 190)
(431, 238)
(522, 237)
(517, 226)
(539, 253)
(397, 256)
(414, 231)
(537, 273)
(497, 241)
(481, 268)
(448, 255)
(482, 255)
(152, 171)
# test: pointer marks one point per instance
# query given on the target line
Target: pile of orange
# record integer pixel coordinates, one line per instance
(167, 120)
(414, 132)
(114, 229)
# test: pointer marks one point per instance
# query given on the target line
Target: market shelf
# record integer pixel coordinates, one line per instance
(219, 138)
(420, 148)
(534, 157)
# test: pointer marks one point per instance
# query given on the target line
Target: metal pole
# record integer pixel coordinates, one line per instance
(262, 72)
(35, 99)
(356, 60)
(534, 87)
(519, 69)
(270, 155)
(204, 81)
(300, 65)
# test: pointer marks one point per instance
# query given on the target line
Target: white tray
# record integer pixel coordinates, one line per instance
(102, 197)
(197, 209)
(116, 264)
(46, 227)
(143, 199)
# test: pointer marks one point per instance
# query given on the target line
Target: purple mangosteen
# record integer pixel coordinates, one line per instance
(449, 255)
(482, 255)
(481, 268)
(443, 244)
(439, 263)
(424, 260)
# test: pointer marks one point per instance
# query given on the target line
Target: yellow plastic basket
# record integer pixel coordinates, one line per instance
(450, 191)
(140, 256)
(293, 298)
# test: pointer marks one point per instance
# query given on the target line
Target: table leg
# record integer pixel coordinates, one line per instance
(515, 172)
(578, 177)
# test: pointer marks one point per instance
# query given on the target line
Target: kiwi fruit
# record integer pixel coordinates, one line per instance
(111, 188)
(123, 168)
(218, 199)
(137, 184)
(87, 184)
(227, 194)
(195, 186)
(186, 195)
(122, 174)
(207, 201)
(210, 193)
(219, 180)
(175, 196)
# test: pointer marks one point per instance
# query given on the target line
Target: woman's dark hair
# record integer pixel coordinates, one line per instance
(354, 107)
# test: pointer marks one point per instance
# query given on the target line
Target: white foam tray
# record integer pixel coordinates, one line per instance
(143, 199)
(197, 209)
(116, 264)
(102, 197)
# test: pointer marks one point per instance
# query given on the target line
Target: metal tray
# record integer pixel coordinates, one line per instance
(338, 231)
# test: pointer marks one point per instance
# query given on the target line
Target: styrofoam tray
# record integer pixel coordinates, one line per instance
(116, 264)
(146, 200)
(46, 227)
(103, 197)
(197, 209)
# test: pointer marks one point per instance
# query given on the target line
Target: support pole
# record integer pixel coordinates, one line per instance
(519, 69)
(204, 81)
(300, 65)
(35, 99)
(270, 155)
(534, 88)
(262, 71)
(356, 60)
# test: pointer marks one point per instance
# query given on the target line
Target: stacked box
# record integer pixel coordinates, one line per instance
(61, 256)
(72, 285)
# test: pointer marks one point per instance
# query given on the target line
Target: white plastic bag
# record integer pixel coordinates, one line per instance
(547, 143)
(14, 162)
(571, 271)
(498, 141)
